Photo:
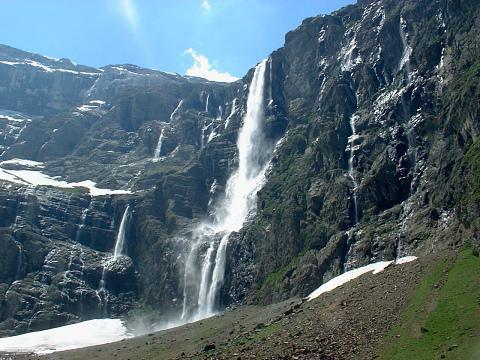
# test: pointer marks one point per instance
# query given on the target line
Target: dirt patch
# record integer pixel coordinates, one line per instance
(347, 323)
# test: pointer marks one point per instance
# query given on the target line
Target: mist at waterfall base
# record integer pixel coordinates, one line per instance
(205, 262)
(206, 246)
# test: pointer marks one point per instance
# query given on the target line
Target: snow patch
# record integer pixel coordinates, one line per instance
(45, 68)
(405, 260)
(353, 274)
(321, 35)
(350, 57)
(97, 102)
(92, 105)
(83, 334)
(348, 276)
(22, 162)
(37, 178)
(13, 116)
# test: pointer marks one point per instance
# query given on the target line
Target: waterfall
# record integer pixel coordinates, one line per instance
(83, 219)
(172, 115)
(204, 275)
(69, 267)
(18, 273)
(203, 292)
(351, 166)
(158, 149)
(407, 50)
(121, 236)
(202, 136)
(270, 84)
(232, 112)
(206, 103)
(101, 292)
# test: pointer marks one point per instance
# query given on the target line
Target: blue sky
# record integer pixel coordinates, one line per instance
(220, 39)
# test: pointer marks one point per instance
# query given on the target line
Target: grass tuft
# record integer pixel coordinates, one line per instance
(442, 319)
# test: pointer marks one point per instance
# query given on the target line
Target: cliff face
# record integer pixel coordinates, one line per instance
(382, 106)
(377, 109)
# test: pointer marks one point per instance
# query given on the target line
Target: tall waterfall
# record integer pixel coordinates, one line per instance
(158, 149)
(81, 226)
(407, 50)
(205, 264)
(121, 236)
(351, 166)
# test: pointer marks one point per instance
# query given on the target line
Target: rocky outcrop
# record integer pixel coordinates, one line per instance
(376, 134)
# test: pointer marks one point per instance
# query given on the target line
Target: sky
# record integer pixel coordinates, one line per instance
(216, 39)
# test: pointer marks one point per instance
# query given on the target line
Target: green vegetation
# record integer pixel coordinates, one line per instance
(274, 280)
(442, 319)
(472, 160)
(459, 107)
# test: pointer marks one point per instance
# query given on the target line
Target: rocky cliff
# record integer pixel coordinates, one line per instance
(376, 106)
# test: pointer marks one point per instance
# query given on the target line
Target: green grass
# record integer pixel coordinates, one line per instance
(274, 280)
(442, 319)
(472, 160)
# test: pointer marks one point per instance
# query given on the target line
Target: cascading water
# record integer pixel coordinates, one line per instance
(119, 250)
(351, 167)
(81, 226)
(172, 115)
(18, 273)
(270, 84)
(232, 112)
(206, 103)
(158, 149)
(83, 220)
(121, 236)
(407, 50)
(205, 264)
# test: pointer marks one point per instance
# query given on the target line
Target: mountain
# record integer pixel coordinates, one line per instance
(368, 123)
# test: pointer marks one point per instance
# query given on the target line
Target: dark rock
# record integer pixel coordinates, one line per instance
(209, 347)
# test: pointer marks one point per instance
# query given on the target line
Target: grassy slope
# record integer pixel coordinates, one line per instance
(442, 319)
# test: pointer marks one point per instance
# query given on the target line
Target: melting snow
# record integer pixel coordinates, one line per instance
(92, 105)
(321, 35)
(348, 62)
(46, 68)
(407, 49)
(353, 274)
(10, 118)
(13, 116)
(87, 333)
(22, 162)
(37, 178)
(386, 100)
(380, 13)
(98, 102)
(405, 260)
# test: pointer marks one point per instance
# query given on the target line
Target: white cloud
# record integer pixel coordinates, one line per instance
(206, 6)
(202, 68)
(130, 14)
